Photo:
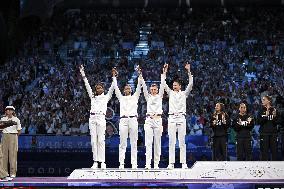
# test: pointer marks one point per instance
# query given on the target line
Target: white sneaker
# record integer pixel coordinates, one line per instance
(156, 166)
(6, 179)
(184, 166)
(147, 167)
(121, 166)
(171, 166)
(95, 165)
(103, 165)
(13, 176)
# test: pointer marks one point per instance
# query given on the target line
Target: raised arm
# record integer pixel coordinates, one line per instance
(190, 80)
(161, 90)
(138, 88)
(144, 86)
(87, 85)
(116, 89)
(111, 89)
(164, 85)
(114, 81)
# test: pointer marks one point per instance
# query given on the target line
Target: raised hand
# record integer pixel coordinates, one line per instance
(114, 72)
(267, 112)
(165, 68)
(82, 70)
(138, 69)
(274, 112)
(249, 120)
(215, 119)
(187, 67)
(224, 118)
(240, 121)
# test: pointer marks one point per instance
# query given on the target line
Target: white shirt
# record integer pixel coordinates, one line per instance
(177, 99)
(128, 104)
(154, 102)
(14, 128)
(198, 129)
(99, 102)
(49, 130)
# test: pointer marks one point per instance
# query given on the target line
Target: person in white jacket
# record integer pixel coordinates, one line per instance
(97, 122)
(153, 124)
(177, 112)
(9, 142)
(128, 124)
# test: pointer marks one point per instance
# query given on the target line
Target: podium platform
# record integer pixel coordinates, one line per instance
(203, 175)
(203, 171)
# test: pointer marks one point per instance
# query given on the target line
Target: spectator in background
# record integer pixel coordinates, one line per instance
(112, 137)
(84, 127)
(198, 129)
(32, 129)
(111, 131)
(50, 129)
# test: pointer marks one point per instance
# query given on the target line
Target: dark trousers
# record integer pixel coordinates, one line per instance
(268, 142)
(244, 149)
(219, 148)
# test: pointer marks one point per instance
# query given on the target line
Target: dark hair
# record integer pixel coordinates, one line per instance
(243, 103)
(222, 108)
(127, 85)
(268, 98)
(113, 127)
(100, 84)
(177, 81)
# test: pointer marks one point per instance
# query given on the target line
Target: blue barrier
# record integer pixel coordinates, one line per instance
(41, 155)
(83, 142)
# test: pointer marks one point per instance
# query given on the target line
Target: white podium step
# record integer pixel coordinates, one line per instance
(205, 170)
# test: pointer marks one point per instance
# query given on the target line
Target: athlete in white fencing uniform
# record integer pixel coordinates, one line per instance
(97, 122)
(177, 111)
(153, 123)
(128, 124)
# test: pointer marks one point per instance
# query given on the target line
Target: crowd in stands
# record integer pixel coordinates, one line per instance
(235, 55)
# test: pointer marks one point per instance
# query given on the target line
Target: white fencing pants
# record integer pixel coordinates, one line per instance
(153, 130)
(177, 124)
(97, 125)
(128, 126)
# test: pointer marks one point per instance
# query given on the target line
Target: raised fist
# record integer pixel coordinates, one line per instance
(187, 67)
(114, 72)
